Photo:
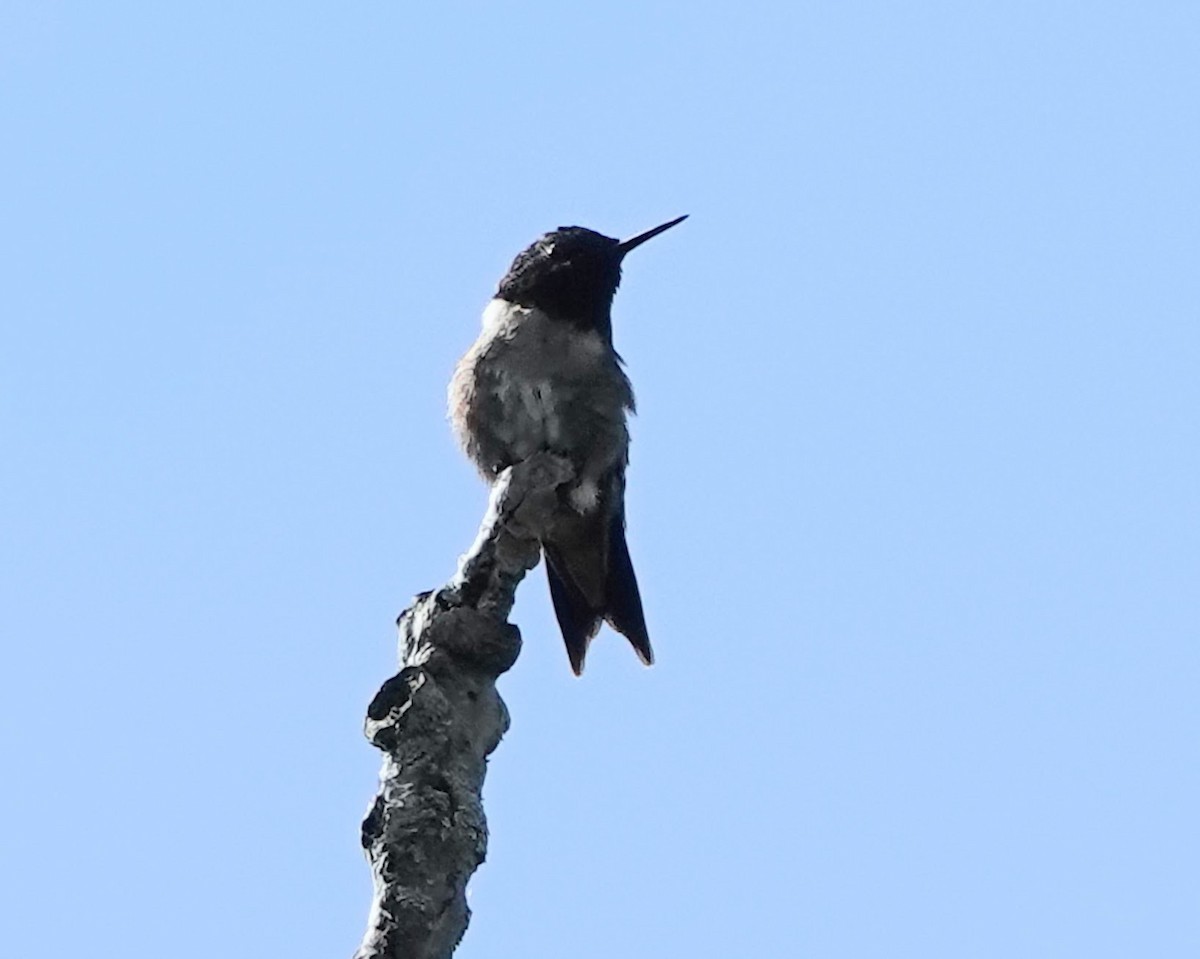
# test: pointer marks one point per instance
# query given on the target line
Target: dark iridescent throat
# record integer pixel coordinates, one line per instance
(571, 275)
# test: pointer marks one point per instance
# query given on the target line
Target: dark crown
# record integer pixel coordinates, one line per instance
(571, 274)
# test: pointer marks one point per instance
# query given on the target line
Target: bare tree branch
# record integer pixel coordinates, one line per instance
(437, 720)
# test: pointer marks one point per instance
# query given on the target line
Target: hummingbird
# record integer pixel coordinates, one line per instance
(544, 376)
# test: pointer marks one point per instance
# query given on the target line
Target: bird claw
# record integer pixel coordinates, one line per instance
(543, 471)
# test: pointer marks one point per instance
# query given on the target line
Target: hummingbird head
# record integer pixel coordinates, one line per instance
(572, 274)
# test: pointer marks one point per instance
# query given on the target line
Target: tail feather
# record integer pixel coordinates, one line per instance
(623, 600)
(577, 619)
(616, 598)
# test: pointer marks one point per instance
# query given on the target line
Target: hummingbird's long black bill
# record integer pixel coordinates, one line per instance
(634, 241)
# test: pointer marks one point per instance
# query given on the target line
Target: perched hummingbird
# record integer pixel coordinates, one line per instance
(543, 376)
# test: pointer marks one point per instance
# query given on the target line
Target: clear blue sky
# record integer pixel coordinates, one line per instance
(915, 496)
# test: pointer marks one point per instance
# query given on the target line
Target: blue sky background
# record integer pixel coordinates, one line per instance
(915, 498)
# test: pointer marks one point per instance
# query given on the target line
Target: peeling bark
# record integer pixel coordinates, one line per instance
(437, 720)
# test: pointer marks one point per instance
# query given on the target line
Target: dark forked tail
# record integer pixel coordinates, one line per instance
(603, 571)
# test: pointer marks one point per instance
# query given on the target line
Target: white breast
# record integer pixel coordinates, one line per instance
(547, 374)
(533, 336)
(531, 407)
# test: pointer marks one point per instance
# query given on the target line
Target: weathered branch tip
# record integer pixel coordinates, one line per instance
(437, 720)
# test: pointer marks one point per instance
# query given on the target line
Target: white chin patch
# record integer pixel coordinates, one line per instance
(496, 312)
(585, 497)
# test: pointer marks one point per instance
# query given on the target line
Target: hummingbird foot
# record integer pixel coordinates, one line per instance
(544, 469)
